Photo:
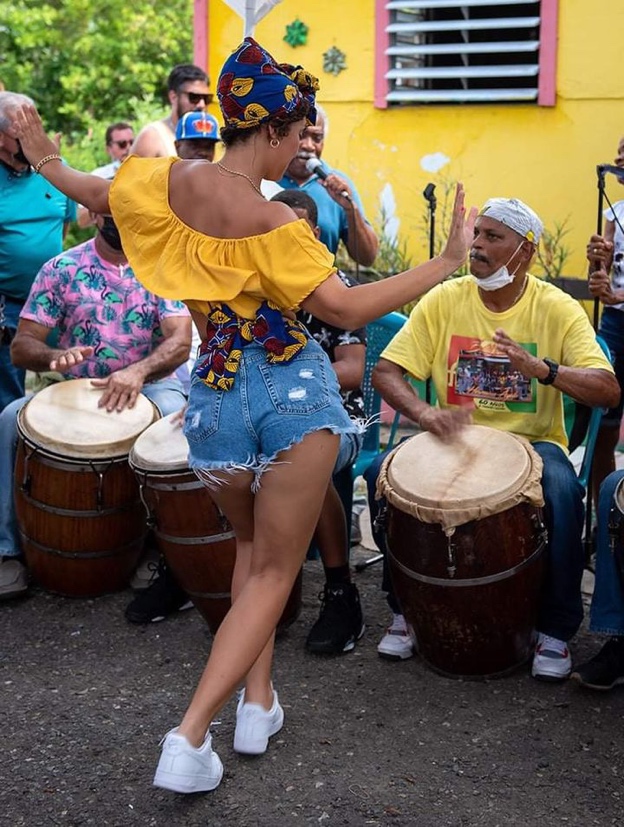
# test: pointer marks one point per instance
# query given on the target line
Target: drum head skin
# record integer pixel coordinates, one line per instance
(483, 471)
(64, 419)
(162, 447)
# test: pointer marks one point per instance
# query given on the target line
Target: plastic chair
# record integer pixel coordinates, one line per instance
(379, 333)
(593, 417)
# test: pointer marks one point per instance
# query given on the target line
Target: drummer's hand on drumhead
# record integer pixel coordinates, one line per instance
(461, 232)
(445, 423)
(67, 359)
(121, 388)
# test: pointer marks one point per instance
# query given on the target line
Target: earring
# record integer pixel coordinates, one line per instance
(275, 143)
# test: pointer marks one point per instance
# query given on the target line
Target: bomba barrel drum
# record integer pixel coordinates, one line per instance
(194, 537)
(79, 513)
(465, 542)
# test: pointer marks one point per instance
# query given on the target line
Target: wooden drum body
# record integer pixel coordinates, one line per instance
(194, 537)
(81, 520)
(465, 539)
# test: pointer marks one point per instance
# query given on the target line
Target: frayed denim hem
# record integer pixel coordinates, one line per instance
(259, 465)
(606, 631)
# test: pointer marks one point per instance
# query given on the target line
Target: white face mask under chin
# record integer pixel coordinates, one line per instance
(499, 278)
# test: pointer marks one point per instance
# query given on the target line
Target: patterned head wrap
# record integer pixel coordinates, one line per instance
(514, 214)
(253, 88)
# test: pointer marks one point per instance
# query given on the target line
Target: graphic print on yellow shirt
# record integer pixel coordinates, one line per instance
(479, 372)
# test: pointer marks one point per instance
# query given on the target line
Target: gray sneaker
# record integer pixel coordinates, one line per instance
(13, 578)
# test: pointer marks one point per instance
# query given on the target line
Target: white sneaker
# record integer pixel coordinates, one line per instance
(397, 643)
(552, 661)
(13, 577)
(255, 725)
(186, 769)
(146, 571)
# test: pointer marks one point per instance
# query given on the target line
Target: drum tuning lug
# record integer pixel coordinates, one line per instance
(380, 523)
(451, 567)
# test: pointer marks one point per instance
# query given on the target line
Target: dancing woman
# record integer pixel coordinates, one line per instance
(265, 416)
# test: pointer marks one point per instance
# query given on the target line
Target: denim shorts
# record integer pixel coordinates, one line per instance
(612, 331)
(269, 408)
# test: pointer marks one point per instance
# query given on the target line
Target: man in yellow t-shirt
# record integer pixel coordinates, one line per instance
(500, 347)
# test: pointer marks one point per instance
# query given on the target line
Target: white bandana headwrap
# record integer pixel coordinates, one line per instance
(514, 214)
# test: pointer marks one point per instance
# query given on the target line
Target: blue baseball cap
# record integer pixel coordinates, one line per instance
(197, 125)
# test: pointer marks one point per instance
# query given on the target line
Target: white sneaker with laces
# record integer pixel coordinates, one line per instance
(186, 769)
(255, 725)
(552, 661)
(13, 577)
(397, 643)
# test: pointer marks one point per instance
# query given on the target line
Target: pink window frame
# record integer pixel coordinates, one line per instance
(547, 88)
(200, 33)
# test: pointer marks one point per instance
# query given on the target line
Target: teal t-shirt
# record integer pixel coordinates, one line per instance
(32, 216)
(332, 219)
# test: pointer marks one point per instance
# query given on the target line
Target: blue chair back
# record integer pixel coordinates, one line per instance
(378, 333)
(595, 418)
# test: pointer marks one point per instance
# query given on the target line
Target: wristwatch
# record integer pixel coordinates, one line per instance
(553, 369)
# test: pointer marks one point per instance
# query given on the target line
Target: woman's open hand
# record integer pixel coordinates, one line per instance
(27, 128)
(461, 232)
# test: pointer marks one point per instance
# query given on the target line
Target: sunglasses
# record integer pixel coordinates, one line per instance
(196, 97)
(123, 144)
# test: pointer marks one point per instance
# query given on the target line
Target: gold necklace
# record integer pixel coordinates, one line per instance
(242, 175)
(520, 293)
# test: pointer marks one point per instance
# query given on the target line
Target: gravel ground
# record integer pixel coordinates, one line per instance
(87, 696)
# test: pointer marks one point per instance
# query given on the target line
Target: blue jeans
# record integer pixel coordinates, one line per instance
(607, 607)
(612, 331)
(269, 408)
(11, 378)
(166, 394)
(561, 607)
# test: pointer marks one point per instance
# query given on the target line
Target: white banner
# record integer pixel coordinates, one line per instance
(252, 12)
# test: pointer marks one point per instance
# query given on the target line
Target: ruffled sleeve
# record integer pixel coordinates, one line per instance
(174, 261)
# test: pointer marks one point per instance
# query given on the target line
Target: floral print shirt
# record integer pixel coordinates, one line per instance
(89, 301)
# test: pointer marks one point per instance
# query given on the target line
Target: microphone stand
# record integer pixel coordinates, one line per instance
(600, 170)
(432, 201)
(589, 545)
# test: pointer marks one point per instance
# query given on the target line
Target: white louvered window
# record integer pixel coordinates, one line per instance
(478, 51)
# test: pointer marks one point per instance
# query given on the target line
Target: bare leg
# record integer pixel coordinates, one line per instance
(286, 510)
(331, 531)
(604, 457)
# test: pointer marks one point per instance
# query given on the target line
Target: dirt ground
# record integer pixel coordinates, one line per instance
(87, 696)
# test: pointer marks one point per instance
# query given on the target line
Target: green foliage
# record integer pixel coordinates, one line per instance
(84, 61)
(552, 253)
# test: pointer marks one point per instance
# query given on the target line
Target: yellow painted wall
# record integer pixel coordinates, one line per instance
(543, 155)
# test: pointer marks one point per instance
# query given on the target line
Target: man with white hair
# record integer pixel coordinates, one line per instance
(340, 212)
(545, 346)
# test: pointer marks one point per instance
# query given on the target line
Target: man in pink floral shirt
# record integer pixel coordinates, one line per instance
(107, 327)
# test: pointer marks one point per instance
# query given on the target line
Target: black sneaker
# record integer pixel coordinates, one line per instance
(340, 622)
(162, 598)
(605, 670)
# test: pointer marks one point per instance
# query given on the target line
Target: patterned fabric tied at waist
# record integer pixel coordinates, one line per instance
(227, 334)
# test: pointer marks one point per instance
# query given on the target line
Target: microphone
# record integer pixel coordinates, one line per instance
(313, 165)
(428, 194)
(601, 169)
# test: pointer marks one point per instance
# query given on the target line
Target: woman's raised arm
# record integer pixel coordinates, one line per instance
(352, 307)
(88, 190)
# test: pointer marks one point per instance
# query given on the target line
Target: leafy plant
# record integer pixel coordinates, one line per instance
(88, 60)
(552, 253)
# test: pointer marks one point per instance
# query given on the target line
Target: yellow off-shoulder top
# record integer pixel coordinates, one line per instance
(175, 261)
